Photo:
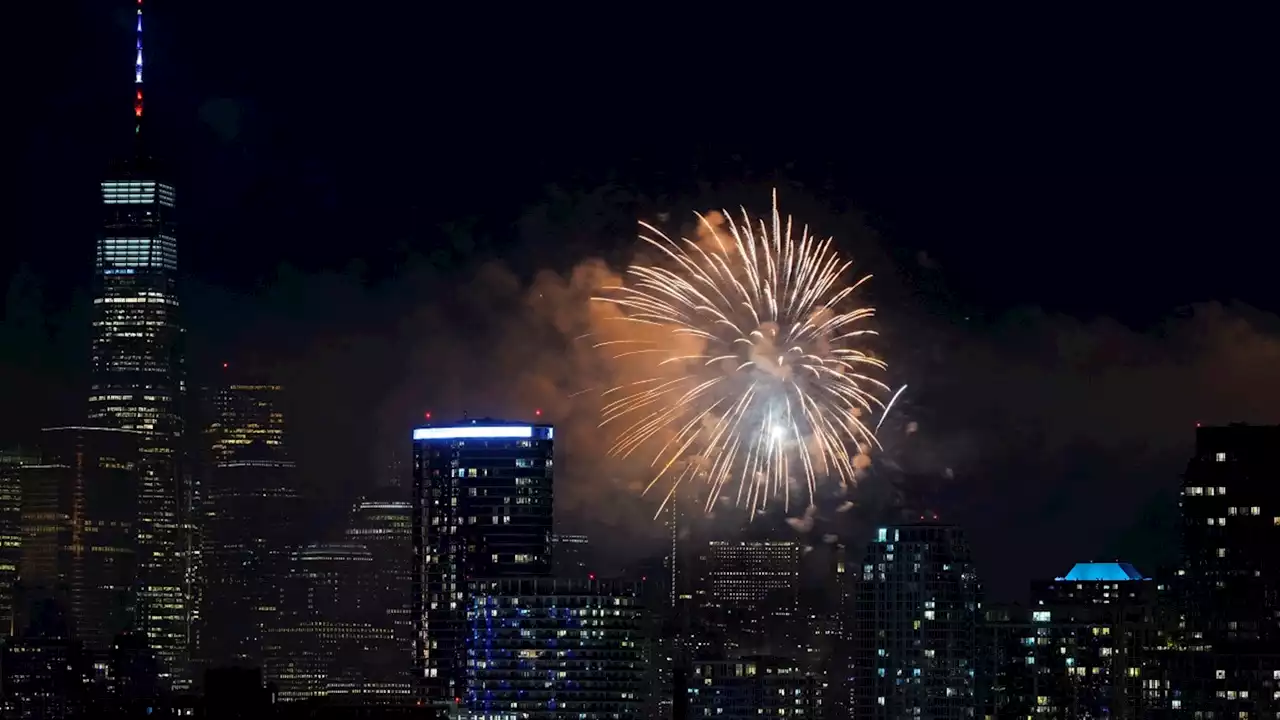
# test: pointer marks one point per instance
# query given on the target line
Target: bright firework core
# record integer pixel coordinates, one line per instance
(759, 378)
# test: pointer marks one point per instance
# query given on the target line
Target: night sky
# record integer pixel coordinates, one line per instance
(1071, 222)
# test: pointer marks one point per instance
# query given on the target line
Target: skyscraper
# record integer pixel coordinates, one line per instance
(11, 461)
(482, 508)
(752, 596)
(914, 646)
(138, 375)
(251, 510)
(1231, 523)
(384, 525)
(79, 508)
(546, 649)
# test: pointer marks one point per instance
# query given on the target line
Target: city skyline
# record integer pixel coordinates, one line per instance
(312, 316)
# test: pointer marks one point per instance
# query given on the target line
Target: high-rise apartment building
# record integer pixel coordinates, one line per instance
(251, 515)
(79, 515)
(547, 649)
(482, 509)
(138, 375)
(1087, 647)
(1231, 523)
(915, 622)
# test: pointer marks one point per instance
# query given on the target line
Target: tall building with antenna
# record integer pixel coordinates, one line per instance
(138, 376)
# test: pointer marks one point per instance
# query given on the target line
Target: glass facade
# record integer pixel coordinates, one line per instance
(138, 384)
(482, 508)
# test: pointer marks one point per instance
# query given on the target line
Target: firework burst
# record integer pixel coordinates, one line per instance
(759, 384)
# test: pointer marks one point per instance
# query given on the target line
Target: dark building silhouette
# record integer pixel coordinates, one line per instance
(251, 510)
(79, 530)
(482, 508)
(383, 524)
(133, 679)
(324, 638)
(138, 375)
(47, 673)
(1231, 524)
(236, 694)
(1229, 585)
(570, 555)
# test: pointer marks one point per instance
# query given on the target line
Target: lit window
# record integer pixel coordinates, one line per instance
(1220, 457)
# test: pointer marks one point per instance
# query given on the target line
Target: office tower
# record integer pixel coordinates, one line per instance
(319, 646)
(138, 375)
(10, 531)
(1231, 522)
(570, 555)
(251, 509)
(753, 596)
(79, 515)
(1088, 647)
(384, 525)
(482, 507)
(916, 612)
(752, 687)
(548, 649)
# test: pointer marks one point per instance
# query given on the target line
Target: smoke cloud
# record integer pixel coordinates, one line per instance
(1052, 439)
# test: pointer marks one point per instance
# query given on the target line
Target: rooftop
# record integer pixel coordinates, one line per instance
(1103, 572)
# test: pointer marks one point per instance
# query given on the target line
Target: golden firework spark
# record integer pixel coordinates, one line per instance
(775, 387)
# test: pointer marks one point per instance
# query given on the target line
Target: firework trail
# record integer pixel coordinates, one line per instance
(759, 382)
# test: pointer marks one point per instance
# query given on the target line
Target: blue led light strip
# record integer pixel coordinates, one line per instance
(473, 431)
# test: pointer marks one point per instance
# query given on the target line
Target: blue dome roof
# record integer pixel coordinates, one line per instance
(1103, 572)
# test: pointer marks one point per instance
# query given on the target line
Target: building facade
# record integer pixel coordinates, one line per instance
(79, 546)
(252, 511)
(385, 526)
(547, 649)
(11, 463)
(482, 509)
(1089, 646)
(915, 621)
(751, 687)
(752, 597)
(138, 377)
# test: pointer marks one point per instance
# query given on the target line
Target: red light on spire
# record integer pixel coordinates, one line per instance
(592, 576)
(224, 366)
(427, 414)
(537, 413)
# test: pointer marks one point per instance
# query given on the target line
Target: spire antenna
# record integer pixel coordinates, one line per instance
(137, 75)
